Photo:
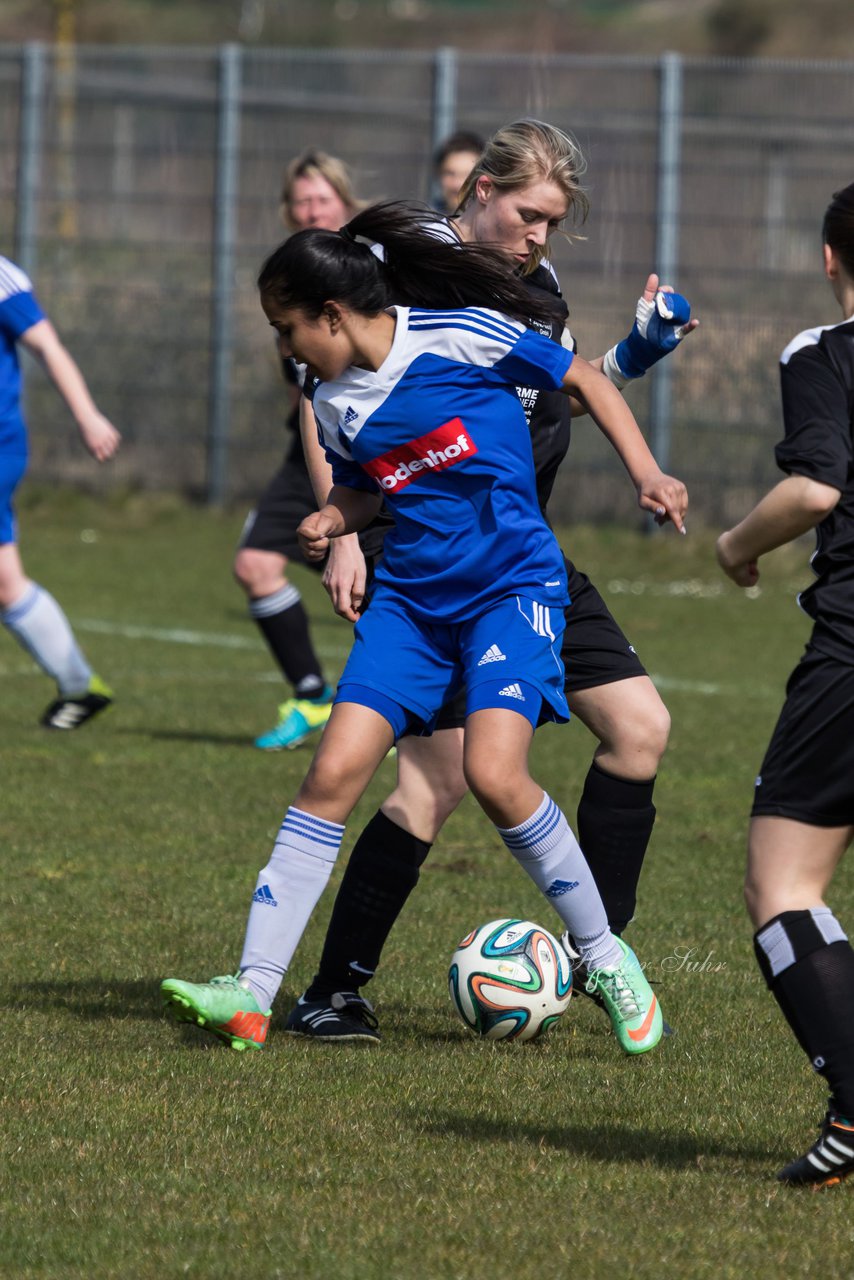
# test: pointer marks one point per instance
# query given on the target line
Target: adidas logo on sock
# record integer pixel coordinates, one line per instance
(558, 888)
(264, 895)
(511, 691)
(493, 654)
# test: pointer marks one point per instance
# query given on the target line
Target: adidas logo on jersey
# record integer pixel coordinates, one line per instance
(435, 451)
(511, 691)
(493, 654)
(350, 415)
(264, 895)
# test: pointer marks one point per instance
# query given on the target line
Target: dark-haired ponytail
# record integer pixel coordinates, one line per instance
(417, 269)
(425, 269)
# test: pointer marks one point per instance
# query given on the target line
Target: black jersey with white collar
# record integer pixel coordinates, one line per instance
(548, 413)
(817, 379)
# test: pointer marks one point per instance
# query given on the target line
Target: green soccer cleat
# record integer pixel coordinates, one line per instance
(629, 1002)
(70, 713)
(298, 719)
(222, 1006)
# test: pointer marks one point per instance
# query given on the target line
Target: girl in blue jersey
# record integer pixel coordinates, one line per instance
(27, 610)
(419, 407)
(524, 189)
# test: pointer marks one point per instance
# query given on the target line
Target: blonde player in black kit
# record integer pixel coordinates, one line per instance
(523, 188)
(803, 811)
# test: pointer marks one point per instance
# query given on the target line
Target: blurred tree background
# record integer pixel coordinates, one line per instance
(736, 28)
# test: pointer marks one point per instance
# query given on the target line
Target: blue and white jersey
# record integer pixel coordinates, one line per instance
(19, 311)
(439, 431)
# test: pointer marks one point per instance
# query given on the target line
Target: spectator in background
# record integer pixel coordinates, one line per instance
(26, 610)
(317, 192)
(452, 164)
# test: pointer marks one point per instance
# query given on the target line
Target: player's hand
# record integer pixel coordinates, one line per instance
(662, 319)
(743, 573)
(99, 436)
(314, 534)
(345, 577)
(666, 497)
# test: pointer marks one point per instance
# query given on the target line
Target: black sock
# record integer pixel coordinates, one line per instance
(615, 821)
(286, 631)
(381, 874)
(809, 966)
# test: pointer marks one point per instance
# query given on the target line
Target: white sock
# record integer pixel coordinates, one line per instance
(287, 892)
(38, 623)
(547, 850)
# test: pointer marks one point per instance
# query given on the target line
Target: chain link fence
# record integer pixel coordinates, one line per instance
(139, 187)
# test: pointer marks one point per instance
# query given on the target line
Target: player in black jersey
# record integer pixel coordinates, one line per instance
(803, 811)
(523, 188)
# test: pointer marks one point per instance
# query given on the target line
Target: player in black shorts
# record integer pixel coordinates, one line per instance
(317, 192)
(527, 172)
(803, 811)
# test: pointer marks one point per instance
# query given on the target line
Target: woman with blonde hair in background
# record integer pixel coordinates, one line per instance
(317, 191)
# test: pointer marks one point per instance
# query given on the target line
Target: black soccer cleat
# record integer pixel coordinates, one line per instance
(828, 1160)
(343, 1016)
(70, 713)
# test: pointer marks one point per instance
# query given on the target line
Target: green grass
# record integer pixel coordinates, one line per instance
(134, 1148)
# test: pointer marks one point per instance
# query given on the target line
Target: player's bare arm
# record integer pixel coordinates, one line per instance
(98, 434)
(663, 495)
(346, 511)
(345, 574)
(793, 507)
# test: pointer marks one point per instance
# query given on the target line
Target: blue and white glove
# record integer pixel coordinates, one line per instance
(658, 329)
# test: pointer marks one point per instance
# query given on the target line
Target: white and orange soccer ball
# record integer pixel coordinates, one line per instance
(510, 980)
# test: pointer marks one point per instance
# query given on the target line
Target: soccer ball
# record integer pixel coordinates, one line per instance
(510, 980)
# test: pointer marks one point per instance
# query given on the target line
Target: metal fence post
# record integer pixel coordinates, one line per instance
(667, 237)
(29, 155)
(225, 198)
(445, 72)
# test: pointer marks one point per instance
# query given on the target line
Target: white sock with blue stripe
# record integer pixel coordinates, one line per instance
(287, 892)
(545, 847)
(38, 623)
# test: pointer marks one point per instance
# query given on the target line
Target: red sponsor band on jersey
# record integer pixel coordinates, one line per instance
(436, 451)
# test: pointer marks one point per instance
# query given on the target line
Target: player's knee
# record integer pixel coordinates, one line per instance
(259, 573)
(329, 778)
(488, 778)
(639, 741)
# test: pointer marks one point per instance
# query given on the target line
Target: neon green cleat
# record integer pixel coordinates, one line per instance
(222, 1006)
(70, 713)
(629, 1001)
(298, 719)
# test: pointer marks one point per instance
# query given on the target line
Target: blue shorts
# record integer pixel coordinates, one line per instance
(508, 657)
(12, 468)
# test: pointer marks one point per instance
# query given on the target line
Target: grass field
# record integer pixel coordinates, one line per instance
(134, 1148)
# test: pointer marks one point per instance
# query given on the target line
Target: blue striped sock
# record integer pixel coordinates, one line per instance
(286, 893)
(546, 849)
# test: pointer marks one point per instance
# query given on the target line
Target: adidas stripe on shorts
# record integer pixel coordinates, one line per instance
(420, 665)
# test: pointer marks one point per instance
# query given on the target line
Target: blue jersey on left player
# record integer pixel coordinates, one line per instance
(439, 430)
(19, 311)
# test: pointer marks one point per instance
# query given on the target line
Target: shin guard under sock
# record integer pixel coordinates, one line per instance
(283, 621)
(615, 821)
(382, 872)
(808, 963)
